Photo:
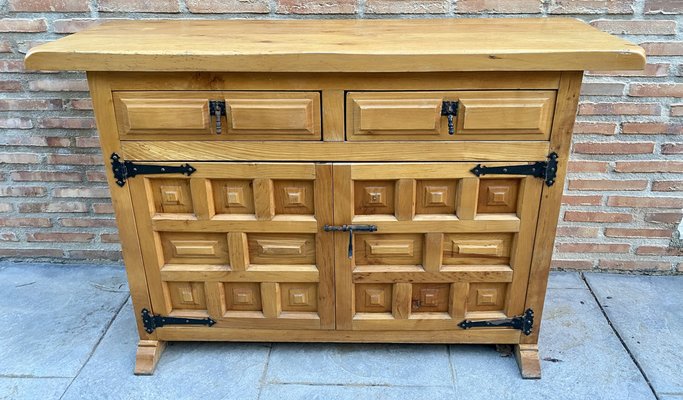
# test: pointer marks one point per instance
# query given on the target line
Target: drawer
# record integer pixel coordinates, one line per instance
(176, 115)
(481, 115)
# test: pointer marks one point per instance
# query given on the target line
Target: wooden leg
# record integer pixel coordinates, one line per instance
(147, 356)
(528, 360)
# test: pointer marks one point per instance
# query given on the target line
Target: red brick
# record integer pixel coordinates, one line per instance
(55, 207)
(49, 5)
(659, 251)
(16, 123)
(631, 27)
(45, 176)
(614, 148)
(96, 176)
(677, 110)
(663, 48)
(607, 184)
(109, 238)
(10, 86)
(156, 6)
(664, 217)
(229, 6)
(602, 89)
(37, 141)
(23, 25)
(656, 90)
(407, 6)
(79, 104)
(663, 7)
(622, 265)
(87, 192)
(680, 267)
(58, 85)
(582, 200)
(103, 208)
(112, 255)
(593, 247)
(5, 46)
(649, 202)
(619, 109)
(74, 159)
(587, 166)
(316, 7)
(32, 253)
(19, 158)
(667, 186)
(595, 128)
(672, 148)
(597, 216)
(651, 128)
(12, 66)
(571, 264)
(8, 237)
(651, 70)
(638, 233)
(75, 25)
(22, 191)
(649, 166)
(88, 142)
(31, 104)
(6, 207)
(577, 231)
(87, 222)
(25, 222)
(591, 7)
(66, 123)
(59, 237)
(499, 6)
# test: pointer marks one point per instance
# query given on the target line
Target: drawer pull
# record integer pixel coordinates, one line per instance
(450, 110)
(217, 109)
(350, 229)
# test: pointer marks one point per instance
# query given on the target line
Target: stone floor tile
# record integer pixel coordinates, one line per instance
(566, 280)
(342, 392)
(32, 388)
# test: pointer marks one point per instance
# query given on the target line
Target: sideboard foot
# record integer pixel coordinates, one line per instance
(528, 360)
(147, 356)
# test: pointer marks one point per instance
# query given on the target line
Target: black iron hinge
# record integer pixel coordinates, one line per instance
(217, 108)
(524, 322)
(546, 170)
(151, 321)
(128, 169)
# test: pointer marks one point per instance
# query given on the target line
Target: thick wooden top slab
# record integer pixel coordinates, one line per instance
(340, 46)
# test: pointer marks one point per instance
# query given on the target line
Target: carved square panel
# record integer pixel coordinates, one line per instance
(293, 197)
(388, 249)
(281, 248)
(486, 296)
(171, 195)
(497, 196)
(374, 197)
(186, 295)
(299, 296)
(430, 297)
(194, 248)
(233, 196)
(435, 196)
(242, 296)
(373, 297)
(477, 248)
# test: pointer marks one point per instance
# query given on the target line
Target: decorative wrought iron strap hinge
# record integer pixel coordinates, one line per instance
(546, 170)
(524, 323)
(151, 321)
(128, 169)
(450, 110)
(217, 108)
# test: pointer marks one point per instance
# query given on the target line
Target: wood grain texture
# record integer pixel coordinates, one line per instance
(340, 46)
(147, 356)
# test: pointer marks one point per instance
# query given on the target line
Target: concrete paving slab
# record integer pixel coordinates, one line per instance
(51, 316)
(186, 370)
(32, 388)
(566, 280)
(647, 311)
(327, 392)
(582, 359)
(360, 364)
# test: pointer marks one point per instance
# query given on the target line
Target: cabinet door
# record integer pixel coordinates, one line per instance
(449, 246)
(240, 243)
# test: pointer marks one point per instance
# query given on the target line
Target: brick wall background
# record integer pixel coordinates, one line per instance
(623, 196)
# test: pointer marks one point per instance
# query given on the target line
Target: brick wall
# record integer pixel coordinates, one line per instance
(623, 196)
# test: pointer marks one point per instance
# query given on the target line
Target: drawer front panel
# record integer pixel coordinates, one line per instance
(248, 115)
(448, 246)
(481, 115)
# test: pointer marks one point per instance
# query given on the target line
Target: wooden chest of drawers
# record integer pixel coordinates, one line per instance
(339, 181)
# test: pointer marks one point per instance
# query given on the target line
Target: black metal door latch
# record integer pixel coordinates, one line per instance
(450, 110)
(524, 322)
(217, 109)
(350, 229)
(128, 169)
(546, 170)
(151, 321)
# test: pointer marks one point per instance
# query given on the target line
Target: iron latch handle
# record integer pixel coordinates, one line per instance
(350, 229)
(218, 108)
(450, 110)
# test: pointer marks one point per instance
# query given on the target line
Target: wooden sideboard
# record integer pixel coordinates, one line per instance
(337, 180)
